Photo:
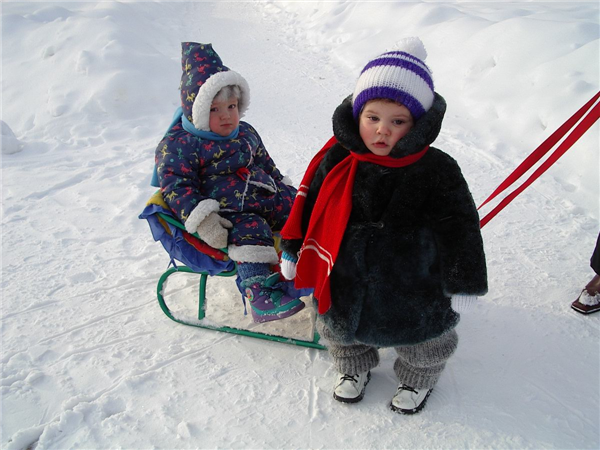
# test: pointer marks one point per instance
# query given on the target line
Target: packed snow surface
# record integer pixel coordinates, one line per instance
(89, 360)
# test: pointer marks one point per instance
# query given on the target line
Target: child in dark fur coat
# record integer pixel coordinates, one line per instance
(384, 228)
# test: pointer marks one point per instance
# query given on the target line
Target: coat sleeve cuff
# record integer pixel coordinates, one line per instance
(253, 254)
(461, 303)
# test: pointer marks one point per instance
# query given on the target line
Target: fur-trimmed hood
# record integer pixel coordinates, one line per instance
(424, 132)
(204, 75)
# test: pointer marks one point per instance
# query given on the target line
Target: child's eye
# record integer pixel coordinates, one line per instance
(232, 106)
(399, 122)
(373, 118)
(213, 109)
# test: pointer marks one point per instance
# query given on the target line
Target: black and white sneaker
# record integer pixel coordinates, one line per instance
(408, 400)
(350, 388)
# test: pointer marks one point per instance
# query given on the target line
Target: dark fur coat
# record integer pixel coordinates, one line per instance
(412, 240)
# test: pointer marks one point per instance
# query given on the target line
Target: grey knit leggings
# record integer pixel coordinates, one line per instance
(418, 366)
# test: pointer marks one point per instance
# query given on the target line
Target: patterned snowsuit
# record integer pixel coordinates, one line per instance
(206, 176)
(201, 172)
(238, 175)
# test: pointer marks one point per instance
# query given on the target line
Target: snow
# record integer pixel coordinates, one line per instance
(10, 143)
(588, 300)
(89, 360)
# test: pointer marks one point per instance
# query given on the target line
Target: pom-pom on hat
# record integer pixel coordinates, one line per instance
(400, 75)
(204, 75)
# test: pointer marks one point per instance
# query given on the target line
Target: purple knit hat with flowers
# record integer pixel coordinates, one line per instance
(204, 75)
(400, 75)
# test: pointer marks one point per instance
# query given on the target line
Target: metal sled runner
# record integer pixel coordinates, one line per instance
(171, 232)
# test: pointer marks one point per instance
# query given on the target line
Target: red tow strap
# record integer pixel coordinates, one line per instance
(539, 152)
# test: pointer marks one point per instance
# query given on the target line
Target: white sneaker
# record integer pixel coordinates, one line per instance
(350, 388)
(408, 400)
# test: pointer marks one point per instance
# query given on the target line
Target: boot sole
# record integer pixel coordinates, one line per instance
(355, 399)
(585, 309)
(411, 411)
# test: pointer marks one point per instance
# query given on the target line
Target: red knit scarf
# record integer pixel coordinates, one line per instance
(329, 218)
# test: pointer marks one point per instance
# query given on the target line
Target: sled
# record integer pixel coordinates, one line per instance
(200, 259)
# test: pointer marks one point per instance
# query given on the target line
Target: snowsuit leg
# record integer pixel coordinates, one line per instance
(351, 359)
(251, 239)
(249, 229)
(255, 225)
(275, 208)
(420, 366)
(282, 207)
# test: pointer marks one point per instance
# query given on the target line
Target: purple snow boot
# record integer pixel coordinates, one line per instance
(267, 299)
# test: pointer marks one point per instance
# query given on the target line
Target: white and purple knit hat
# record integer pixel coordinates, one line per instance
(400, 75)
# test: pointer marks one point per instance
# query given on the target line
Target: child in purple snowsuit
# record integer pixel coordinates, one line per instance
(218, 178)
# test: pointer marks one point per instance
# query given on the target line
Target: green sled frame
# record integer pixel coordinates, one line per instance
(202, 304)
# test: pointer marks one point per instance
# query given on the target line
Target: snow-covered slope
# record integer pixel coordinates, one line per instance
(88, 358)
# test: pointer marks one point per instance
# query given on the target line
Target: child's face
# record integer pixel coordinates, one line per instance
(224, 116)
(382, 124)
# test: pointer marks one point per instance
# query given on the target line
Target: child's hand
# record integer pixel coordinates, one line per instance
(460, 303)
(213, 230)
(288, 265)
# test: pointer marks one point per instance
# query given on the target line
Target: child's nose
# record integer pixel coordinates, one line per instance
(383, 130)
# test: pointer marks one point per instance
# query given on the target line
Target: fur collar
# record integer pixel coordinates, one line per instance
(422, 134)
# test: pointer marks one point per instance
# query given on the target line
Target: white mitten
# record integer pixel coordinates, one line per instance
(288, 265)
(213, 230)
(461, 303)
